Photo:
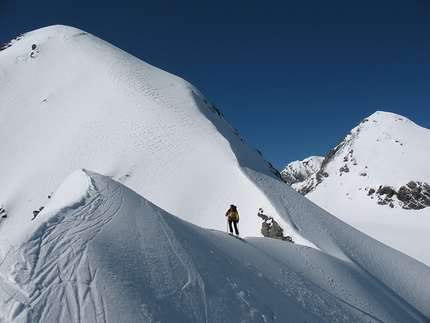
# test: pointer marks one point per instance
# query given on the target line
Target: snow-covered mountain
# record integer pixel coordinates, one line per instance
(377, 179)
(300, 171)
(135, 170)
(71, 100)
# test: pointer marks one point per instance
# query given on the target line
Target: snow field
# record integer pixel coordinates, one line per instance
(90, 105)
(119, 257)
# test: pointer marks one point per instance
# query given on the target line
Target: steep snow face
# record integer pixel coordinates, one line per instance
(109, 255)
(361, 181)
(300, 171)
(71, 101)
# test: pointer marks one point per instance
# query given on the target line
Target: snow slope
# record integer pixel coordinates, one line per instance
(76, 101)
(385, 149)
(112, 256)
(106, 248)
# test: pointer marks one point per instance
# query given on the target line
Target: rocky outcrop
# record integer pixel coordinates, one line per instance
(271, 229)
(9, 43)
(3, 212)
(412, 196)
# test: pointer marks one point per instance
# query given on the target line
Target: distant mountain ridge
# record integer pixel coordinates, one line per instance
(301, 171)
(380, 165)
(413, 194)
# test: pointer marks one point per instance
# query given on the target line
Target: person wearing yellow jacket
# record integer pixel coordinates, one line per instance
(233, 218)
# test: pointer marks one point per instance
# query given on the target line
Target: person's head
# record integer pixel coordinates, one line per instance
(232, 207)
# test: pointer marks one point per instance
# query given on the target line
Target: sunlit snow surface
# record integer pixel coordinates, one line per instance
(106, 248)
(384, 150)
(118, 258)
(78, 102)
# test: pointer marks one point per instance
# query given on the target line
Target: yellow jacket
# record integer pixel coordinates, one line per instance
(232, 215)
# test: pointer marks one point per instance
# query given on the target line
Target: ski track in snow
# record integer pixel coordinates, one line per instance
(53, 264)
(122, 118)
(194, 278)
(111, 253)
(54, 267)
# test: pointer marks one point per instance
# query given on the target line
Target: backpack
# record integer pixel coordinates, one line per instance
(233, 215)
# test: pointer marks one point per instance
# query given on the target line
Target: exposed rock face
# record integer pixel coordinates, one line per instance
(300, 171)
(9, 43)
(343, 146)
(3, 212)
(271, 229)
(412, 196)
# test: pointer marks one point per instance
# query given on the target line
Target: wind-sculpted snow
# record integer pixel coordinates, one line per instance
(83, 103)
(116, 257)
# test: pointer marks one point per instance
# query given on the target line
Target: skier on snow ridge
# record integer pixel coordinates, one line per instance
(233, 218)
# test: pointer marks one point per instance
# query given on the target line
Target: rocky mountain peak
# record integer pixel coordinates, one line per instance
(382, 151)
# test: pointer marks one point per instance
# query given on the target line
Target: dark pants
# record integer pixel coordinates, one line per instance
(235, 226)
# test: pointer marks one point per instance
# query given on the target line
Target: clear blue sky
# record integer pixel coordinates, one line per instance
(293, 77)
